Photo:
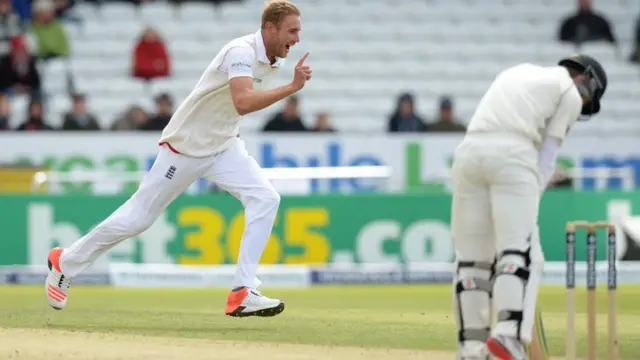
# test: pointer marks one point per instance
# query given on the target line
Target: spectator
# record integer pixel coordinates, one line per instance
(216, 3)
(164, 111)
(150, 58)
(64, 9)
(79, 118)
(34, 122)
(5, 111)
(135, 2)
(23, 9)
(18, 71)
(49, 31)
(9, 26)
(446, 121)
(322, 123)
(133, 119)
(635, 54)
(288, 119)
(586, 25)
(405, 119)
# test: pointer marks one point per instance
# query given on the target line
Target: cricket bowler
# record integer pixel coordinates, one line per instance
(500, 170)
(202, 141)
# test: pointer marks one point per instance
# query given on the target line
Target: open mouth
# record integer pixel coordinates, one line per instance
(288, 47)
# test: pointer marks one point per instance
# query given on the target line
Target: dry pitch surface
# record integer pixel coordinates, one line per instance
(31, 344)
(19, 344)
(361, 322)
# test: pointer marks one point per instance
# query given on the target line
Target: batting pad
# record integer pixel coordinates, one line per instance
(472, 303)
(515, 290)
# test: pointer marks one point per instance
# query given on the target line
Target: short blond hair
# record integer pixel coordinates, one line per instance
(276, 10)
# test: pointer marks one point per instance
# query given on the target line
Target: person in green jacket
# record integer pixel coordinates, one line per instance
(48, 31)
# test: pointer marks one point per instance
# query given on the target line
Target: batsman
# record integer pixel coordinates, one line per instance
(500, 170)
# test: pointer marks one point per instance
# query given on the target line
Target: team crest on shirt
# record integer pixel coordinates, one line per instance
(256, 80)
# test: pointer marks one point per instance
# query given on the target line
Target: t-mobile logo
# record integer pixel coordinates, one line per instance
(170, 172)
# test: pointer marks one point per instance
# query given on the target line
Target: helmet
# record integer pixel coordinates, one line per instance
(596, 84)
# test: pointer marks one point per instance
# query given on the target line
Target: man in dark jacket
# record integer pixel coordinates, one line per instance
(18, 72)
(446, 121)
(586, 25)
(35, 121)
(288, 119)
(405, 119)
(158, 121)
(79, 118)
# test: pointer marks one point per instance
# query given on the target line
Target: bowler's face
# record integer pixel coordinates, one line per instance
(288, 35)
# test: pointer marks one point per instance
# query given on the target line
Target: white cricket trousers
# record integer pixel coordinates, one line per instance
(496, 194)
(233, 170)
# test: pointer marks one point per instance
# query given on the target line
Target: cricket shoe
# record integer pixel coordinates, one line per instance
(506, 348)
(244, 301)
(56, 286)
(473, 350)
(467, 357)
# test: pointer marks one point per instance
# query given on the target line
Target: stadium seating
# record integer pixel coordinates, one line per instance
(364, 53)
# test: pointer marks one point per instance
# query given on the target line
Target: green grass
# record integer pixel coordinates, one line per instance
(412, 317)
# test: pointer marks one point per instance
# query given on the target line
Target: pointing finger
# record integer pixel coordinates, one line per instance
(303, 58)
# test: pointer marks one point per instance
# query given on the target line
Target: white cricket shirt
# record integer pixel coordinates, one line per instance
(531, 101)
(206, 121)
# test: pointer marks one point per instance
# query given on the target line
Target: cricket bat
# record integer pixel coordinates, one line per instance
(538, 349)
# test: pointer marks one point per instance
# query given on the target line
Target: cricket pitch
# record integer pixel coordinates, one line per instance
(321, 323)
(31, 344)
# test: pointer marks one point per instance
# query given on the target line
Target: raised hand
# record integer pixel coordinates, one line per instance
(302, 73)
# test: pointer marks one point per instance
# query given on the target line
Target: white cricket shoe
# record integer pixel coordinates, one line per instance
(56, 286)
(472, 350)
(245, 301)
(506, 348)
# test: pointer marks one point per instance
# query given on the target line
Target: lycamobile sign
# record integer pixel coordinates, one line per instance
(418, 162)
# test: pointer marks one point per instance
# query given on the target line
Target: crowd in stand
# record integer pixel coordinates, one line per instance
(32, 32)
